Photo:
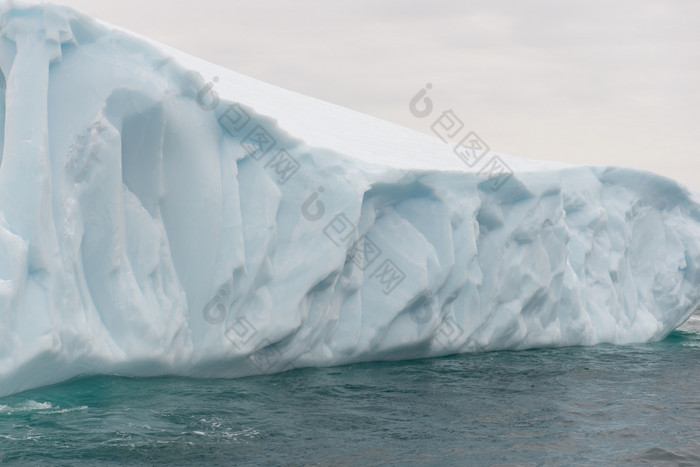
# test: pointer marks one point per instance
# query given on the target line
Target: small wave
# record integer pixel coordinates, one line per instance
(22, 438)
(28, 406)
(72, 409)
(248, 433)
(34, 406)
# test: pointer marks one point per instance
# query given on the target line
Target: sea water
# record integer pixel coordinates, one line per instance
(603, 405)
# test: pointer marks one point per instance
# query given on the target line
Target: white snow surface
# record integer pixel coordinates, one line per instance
(162, 215)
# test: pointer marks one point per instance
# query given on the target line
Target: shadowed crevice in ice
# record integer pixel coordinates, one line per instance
(160, 215)
(3, 85)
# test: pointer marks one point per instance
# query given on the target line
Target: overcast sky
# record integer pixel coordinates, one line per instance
(589, 82)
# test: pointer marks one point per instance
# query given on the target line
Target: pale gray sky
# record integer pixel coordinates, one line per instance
(590, 82)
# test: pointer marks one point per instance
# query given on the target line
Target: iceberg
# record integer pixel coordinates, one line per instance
(162, 215)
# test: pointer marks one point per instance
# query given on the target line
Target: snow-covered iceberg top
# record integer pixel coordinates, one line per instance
(159, 214)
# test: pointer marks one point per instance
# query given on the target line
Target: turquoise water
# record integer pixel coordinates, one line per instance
(624, 405)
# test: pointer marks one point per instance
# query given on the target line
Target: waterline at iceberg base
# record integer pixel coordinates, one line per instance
(162, 215)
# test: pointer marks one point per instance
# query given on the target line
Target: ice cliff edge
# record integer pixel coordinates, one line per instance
(161, 215)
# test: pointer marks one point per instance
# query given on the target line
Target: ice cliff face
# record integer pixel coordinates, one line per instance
(155, 219)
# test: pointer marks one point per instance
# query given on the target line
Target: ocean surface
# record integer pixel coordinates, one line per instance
(603, 405)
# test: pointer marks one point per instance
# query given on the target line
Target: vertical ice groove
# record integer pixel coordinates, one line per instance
(3, 86)
(26, 151)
